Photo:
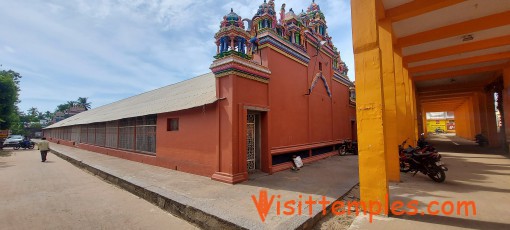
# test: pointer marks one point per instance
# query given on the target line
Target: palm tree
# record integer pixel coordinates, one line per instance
(72, 103)
(82, 101)
(62, 107)
(48, 115)
(33, 112)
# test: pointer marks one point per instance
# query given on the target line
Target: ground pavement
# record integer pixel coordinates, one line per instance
(212, 204)
(475, 174)
(57, 195)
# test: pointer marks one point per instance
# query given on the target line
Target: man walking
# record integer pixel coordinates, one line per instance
(44, 147)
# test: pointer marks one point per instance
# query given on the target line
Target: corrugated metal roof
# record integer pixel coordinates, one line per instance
(187, 94)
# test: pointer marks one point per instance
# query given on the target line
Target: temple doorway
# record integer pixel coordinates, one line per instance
(253, 139)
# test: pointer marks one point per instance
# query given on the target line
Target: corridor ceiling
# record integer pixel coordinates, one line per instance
(464, 43)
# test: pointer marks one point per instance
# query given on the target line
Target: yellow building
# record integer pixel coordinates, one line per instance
(440, 122)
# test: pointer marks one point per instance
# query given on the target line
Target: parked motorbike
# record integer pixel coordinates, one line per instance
(349, 147)
(422, 160)
(424, 146)
(25, 144)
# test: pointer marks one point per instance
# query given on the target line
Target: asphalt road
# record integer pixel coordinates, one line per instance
(57, 195)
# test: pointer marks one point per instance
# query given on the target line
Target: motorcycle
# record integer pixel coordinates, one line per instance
(25, 144)
(422, 160)
(424, 146)
(349, 147)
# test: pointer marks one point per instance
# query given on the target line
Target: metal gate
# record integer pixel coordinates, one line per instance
(250, 142)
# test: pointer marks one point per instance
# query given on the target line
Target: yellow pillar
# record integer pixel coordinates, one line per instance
(477, 119)
(492, 129)
(424, 121)
(409, 115)
(462, 121)
(419, 113)
(400, 97)
(390, 111)
(369, 101)
(415, 109)
(506, 103)
(470, 120)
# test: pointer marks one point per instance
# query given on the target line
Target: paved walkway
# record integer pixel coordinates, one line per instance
(214, 204)
(57, 195)
(478, 174)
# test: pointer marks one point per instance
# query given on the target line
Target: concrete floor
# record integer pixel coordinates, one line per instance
(57, 195)
(331, 177)
(478, 174)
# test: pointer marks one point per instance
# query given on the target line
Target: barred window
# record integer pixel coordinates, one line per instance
(91, 134)
(75, 133)
(100, 134)
(127, 133)
(69, 131)
(83, 134)
(112, 133)
(146, 133)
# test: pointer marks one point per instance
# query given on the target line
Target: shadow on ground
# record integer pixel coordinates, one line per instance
(475, 174)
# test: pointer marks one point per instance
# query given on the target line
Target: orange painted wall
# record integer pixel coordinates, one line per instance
(253, 93)
(343, 113)
(194, 147)
(289, 104)
(299, 119)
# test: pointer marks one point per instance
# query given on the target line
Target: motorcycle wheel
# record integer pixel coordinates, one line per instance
(16, 147)
(31, 146)
(436, 173)
(405, 167)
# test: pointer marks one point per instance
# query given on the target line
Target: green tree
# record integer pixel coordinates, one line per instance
(48, 115)
(62, 107)
(82, 101)
(34, 112)
(9, 93)
(16, 125)
(33, 115)
(72, 103)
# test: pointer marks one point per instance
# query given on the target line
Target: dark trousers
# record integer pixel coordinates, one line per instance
(43, 155)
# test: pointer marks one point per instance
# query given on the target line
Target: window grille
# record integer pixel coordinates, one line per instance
(146, 134)
(69, 131)
(127, 133)
(112, 134)
(132, 134)
(75, 133)
(91, 134)
(83, 134)
(100, 134)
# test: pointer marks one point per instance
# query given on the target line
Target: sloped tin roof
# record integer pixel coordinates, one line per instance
(187, 94)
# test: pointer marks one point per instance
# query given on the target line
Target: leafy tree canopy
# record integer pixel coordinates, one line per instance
(9, 94)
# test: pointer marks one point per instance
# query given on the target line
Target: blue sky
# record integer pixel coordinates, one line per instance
(108, 50)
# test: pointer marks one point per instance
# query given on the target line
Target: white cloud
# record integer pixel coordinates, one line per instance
(9, 49)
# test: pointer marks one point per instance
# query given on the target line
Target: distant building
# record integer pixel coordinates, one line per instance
(74, 110)
(59, 115)
(440, 121)
(277, 89)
